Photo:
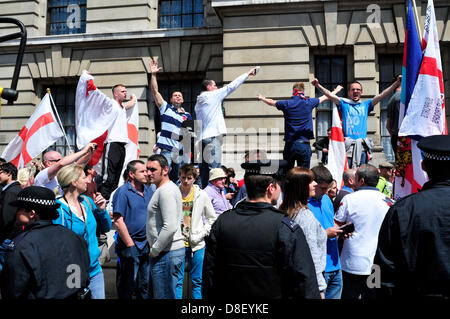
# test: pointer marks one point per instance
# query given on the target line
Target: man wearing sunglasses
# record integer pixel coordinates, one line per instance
(53, 162)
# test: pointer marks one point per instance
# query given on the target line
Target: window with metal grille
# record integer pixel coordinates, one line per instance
(331, 71)
(390, 65)
(64, 98)
(66, 17)
(180, 13)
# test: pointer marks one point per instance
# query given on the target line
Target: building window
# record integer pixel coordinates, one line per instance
(390, 65)
(331, 72)
(64, 98)
(180, 13)
(66, 17)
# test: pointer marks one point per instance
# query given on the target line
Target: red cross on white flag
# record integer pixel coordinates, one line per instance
(40, 131)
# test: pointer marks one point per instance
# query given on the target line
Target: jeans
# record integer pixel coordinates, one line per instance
(211, 157)
(97, 286)
(164, 270)
(133, 273)
(355, 286)
(363, 159)
(195, 261)
(175, 162)
(334, 284)
(299, 151)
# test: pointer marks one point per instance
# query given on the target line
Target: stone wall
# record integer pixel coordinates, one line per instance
(52, 61)
(284, 36)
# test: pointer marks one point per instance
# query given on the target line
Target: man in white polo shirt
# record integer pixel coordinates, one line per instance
(366, 209)
(208, 110)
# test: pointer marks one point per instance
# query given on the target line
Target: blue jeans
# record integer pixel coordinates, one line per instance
(175, 162)
(97, 286)
(195, 261)
(164, 270)
(363, 159)
(299, 151)
(211, 157)
(334, 284)
(133, 273)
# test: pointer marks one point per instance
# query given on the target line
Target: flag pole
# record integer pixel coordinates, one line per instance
(52, 103)
(417, 19)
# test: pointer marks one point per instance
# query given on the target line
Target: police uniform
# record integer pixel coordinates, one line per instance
(46, 261)
(384, 185)
(255, 251)
(414, 241)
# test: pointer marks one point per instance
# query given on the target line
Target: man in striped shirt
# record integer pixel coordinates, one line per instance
(172, 118)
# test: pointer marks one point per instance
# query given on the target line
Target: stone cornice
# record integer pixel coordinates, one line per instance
(134, 36)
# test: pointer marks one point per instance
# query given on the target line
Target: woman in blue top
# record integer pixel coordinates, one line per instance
(82, 214)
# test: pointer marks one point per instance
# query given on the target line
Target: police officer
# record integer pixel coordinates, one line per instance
(256, 251)
(46, 261)
(414, 241)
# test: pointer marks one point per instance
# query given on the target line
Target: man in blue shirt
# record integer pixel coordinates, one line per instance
(298, 124)
(130, 203)
(322, 208)
(354, 111)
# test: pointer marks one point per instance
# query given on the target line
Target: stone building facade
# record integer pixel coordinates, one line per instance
(292, 40)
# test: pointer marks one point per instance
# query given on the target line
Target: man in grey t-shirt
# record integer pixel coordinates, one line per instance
(164, 220)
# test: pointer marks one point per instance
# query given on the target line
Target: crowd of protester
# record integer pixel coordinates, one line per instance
(291, 232)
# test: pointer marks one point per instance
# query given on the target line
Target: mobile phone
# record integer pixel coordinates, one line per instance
(256, 70)
(347, 228)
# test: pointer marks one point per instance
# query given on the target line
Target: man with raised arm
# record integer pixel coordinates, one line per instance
(116, 140)
(298, 123)
(172, 117)
(209, 111)
(355, 112)
(53, 162)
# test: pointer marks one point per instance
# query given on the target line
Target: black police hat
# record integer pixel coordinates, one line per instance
(435, 147)
(37, 198)
(275, 168)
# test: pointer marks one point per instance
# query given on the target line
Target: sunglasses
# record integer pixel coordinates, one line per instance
(55, 160)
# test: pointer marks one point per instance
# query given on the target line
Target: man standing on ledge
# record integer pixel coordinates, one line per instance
(116, 140)
(209, 111)
(172, 117)
(355, 112)
(298, 124)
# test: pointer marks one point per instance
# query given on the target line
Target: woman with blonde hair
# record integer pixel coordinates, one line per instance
(332, 190)
(81, 214)
(25, 176)
(298, 188)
